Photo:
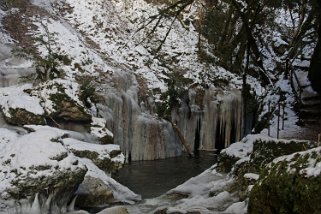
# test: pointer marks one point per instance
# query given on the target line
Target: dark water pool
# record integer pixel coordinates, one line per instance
(154, 178)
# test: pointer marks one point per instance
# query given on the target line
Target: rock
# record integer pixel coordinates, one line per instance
(115, 210)
(67, 109)
(290, 184)
(264, 151)
(19, 108)
(253, 154)
(226, 162)
(98, 128)
(20, 116)
(257, 151)
(161, 211)
(38, 164)
(93, 192)
(99, 189)
(60, 100)
(106, 157)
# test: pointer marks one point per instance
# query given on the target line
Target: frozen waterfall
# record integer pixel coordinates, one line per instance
(143, 136)
(217, 124)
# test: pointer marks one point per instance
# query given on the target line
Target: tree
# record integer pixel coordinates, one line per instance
(315, 71)
(47, 64)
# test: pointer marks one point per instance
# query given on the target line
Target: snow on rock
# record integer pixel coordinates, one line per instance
(114, 210)
(251, 176)
(205, 191)
(119, 193)
(19, 107)
(306, 163)
(107, 157)
(36, 162)
(98, 129)
(298, 176)
(68, 42)
(237, 208)
(243, 148)
(136, 48)
(60, 99)
(50, 161)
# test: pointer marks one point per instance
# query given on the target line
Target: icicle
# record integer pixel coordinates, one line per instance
(71, 206)
(36, 208)
(48, 203)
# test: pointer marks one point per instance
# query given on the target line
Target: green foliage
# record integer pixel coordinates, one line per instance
(284, 188)
(88, 91)
(265, 151)
(173, 97)
(20, 116)
(47, 65)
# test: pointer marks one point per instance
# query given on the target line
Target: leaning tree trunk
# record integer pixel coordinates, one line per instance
(315, 67)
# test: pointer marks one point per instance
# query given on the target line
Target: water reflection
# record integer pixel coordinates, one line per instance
(153, 178)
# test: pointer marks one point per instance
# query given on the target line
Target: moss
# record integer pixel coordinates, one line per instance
(226, 162)
(265, 151)
(106, 139)
(87, 90)
(20, 116)
(86, 154)
(61, 183)
(114, 153)
(282, 192)
(68, 109)
(104, 164)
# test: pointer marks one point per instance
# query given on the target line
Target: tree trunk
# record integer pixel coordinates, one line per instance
(315, 67)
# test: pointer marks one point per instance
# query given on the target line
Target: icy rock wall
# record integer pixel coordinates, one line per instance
(140, 135)
(216, 124)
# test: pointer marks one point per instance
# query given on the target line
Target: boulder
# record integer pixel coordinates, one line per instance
(106, 157)
(267, 149)
(98, 128)
(20, 116)
(246, 159)
(98, 189)
(115, 210)
(60, 99)
(290, 184)
(37, 164)
(19, 108)
(93, 192)
(256, 151)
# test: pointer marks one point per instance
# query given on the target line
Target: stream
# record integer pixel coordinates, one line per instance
(154, 178)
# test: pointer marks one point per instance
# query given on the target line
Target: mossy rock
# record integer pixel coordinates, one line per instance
(264, 151)
(105, 164)
(98, 128)
(226, 162)
(288, 186)
(106, 139)
(64, 182)
(68, 109)
(20, 116)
